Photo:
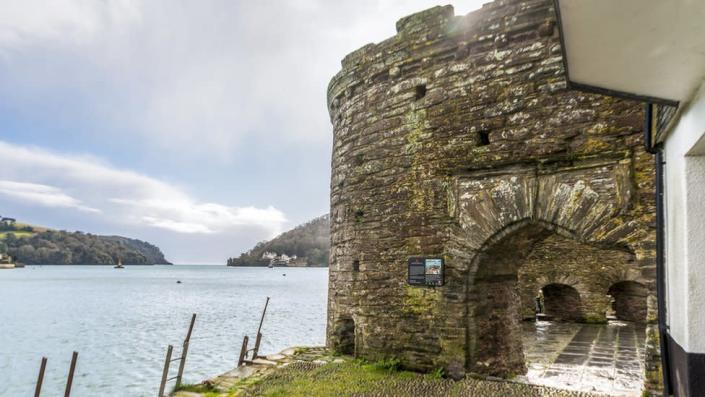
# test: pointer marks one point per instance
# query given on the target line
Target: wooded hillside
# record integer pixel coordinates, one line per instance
(309, 242)
(52, 247)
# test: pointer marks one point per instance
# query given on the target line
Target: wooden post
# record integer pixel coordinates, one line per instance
(255, 350)
(72, 370)
(243, 351)
(259, 331)
(184, 352)
(165, 373)
(40, 379)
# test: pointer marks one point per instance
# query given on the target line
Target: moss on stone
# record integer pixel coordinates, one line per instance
(419, 300)
(593, 145)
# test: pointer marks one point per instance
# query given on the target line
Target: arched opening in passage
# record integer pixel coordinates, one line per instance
(494, 305)
(510, 271)
(629, 301)
(344, 336)
(561, 302)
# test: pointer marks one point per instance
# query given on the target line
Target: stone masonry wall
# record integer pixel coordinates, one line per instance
(451, 137)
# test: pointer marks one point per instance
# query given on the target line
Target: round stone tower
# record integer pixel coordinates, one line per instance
(459, 139)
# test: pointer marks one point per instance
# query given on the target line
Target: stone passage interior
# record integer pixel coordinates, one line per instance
(506, 269)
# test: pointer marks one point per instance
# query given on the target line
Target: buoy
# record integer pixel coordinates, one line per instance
(178, 281)
(283, 274)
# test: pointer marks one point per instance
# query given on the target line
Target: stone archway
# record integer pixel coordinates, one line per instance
(504, 214)
(562, 302)
(342, 339)
(629, 300)
(494, 302)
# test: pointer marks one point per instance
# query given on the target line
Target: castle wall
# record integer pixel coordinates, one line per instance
(448, 138)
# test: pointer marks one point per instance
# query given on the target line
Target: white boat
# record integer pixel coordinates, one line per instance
(6, 262)
(119, 264)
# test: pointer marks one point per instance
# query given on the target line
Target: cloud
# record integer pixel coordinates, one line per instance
(44, 195)
(233, 90)
(24, 22)
(36, 176)
(193, 78)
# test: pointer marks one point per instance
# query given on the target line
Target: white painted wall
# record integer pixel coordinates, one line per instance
(632, 45)
(684, 151)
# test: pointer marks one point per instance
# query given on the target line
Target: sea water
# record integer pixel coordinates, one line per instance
(120, 322)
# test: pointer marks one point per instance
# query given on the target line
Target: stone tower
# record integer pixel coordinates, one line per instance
(458, 139)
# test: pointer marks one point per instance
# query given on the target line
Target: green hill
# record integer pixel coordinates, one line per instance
(33, 245)
(305, 245)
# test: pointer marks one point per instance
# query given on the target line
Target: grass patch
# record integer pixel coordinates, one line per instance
(333, 379)
(204, 388)
(389, 365)
(18, 234)
(438, 373)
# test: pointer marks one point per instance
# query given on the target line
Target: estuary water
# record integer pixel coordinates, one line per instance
(121, 321)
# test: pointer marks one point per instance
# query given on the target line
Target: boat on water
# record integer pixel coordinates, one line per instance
(119, 264)
(6, 262)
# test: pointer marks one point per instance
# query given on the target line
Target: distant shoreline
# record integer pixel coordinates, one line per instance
(279, 266)
(98, 264)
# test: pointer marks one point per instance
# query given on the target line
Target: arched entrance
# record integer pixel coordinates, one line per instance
(562, 302)
(343, 337)
(496, 302)
(495, 346)
(629, 300)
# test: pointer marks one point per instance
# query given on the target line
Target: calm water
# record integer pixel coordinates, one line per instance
(120, 322)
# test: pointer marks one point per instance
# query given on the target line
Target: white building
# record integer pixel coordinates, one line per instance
(269, 255)
(654, 51)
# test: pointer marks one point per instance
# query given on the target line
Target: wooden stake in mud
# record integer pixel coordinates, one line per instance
(72, 370)
(165, 373)
(243, 351)
(40, 379)
(182, 362)
(259, 331)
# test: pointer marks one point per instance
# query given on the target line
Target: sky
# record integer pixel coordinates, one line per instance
(200, 126)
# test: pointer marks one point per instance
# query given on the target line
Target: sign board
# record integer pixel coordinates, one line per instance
(426, 271)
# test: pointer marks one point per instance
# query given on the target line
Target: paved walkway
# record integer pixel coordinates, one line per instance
(586, 357)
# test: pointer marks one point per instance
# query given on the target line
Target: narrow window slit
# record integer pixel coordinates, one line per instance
(420, 91)
(484, 138)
